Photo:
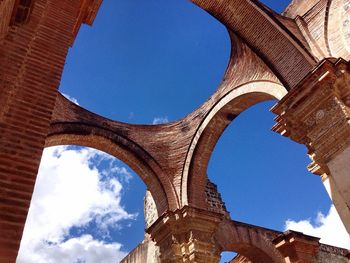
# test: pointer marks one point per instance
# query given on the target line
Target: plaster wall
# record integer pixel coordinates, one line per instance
(338, 201)
(146, 252)
(337, 184)
(340, 169)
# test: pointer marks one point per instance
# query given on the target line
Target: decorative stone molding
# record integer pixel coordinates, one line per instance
(316, 113)
(187, 235)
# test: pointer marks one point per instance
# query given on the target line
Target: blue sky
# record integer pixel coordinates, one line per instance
(144, 60)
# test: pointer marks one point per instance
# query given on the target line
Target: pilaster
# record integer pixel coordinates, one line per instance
(317, 113)
(187, 235)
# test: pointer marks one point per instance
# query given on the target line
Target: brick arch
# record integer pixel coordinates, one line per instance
(219, 117)
(96, 135)
(252, 242)
(281, 50)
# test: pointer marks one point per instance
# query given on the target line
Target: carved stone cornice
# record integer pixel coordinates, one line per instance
(187, 235)
(316, 113)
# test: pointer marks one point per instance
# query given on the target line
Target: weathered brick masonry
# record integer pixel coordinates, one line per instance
(36, 36)
(272, 55)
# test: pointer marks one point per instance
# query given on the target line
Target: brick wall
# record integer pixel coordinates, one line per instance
(332, 254)
(214, 200)
(32, 57)
(6, 8)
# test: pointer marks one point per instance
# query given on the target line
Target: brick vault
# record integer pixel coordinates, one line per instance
(299, 57)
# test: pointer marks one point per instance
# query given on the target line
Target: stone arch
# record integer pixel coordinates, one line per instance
(95, 135)
(194, 176)
(266, 35)
(250, 242)
(103, 143)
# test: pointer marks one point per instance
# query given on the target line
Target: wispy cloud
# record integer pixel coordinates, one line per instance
(328, 227)
(74, 100)
(71, 191)
(160, 120)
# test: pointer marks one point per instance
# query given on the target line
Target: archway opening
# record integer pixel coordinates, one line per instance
(227, 256)
(264, 170)
(147, 61)
(262, 176)
(84, 206)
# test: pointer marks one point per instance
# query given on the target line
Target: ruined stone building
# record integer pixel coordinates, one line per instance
(300, 58)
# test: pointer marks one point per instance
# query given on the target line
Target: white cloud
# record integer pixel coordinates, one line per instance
(71, 191)
(75, 250)
(74, 100)
(160, 120)
(328, 227)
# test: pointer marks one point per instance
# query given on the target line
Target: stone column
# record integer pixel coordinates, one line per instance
(187, 235)
(317, 113)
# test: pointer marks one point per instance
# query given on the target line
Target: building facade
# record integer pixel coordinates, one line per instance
(300, 57)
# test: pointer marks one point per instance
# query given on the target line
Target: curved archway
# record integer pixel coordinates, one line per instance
(103, 144)
(83, 207)
(219, 117)
(266, 35)
(94, 134)
(248, 241)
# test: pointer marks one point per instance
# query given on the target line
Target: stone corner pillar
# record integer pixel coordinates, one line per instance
(187, 235)
(297, 247)
(317, 113)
